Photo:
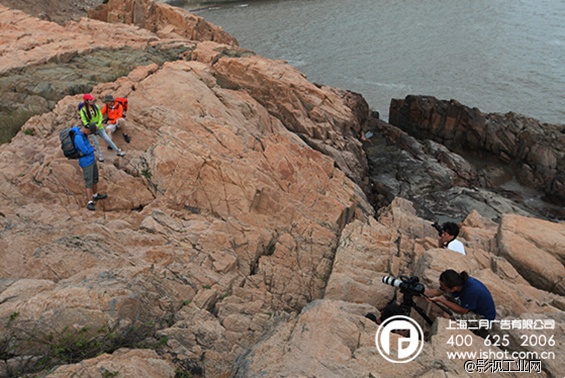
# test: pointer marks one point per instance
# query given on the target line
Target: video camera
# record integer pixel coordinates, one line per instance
(438, 227)
(407, 285)
(410, 287)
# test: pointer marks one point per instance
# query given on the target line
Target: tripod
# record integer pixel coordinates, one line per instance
(408, 304)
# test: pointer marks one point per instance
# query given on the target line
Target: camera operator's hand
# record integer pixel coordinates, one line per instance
(442, 303)
(444, 239)
(440, 242)
(433, 293)
(449, 304)
(440, 299)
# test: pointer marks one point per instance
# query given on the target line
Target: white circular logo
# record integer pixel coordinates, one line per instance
(409, 346)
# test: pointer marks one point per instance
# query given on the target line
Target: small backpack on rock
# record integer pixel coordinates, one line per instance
(68, 145)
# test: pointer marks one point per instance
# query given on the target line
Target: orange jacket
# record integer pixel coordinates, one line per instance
(114, 112)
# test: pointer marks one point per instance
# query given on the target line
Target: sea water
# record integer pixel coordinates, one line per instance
(498, 56)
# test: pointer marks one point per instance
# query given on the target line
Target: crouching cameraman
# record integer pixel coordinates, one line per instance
(466, 296)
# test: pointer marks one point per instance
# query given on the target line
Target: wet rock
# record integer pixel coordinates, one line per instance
(441, 183)
(448, 181)
(534, 151)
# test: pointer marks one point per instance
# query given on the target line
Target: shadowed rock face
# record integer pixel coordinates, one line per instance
(508, 151)
(445, 185)
(237, 239)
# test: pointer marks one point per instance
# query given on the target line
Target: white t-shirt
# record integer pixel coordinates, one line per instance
(457, 246)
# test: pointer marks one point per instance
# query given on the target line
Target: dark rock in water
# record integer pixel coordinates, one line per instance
(534, 151)
(444, 184)
(458, 201)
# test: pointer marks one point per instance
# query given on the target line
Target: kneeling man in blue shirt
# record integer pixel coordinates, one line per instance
(470, 298)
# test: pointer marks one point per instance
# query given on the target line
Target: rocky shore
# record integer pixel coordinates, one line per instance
(450, 159)
(249, 225)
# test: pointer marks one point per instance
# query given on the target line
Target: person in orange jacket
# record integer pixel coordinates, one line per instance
(114, 117)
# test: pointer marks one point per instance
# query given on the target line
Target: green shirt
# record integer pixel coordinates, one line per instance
(92, 118)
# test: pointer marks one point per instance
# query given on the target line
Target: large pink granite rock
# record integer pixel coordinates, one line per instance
(224, 228)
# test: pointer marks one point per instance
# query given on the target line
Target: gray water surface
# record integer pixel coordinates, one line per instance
(498, 56)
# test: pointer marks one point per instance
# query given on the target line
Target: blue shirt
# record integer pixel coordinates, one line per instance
(83, 145)
(477, 298)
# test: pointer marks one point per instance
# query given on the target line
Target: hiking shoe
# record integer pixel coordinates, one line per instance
(100, 158)
(97, 196)
(109, 148)
(121, 153)
(91, 206)
(127, 138)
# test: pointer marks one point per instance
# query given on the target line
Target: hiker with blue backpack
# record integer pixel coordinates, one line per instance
(91, 113)
(87, 162)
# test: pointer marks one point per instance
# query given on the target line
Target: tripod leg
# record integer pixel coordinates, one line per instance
(422, 313)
